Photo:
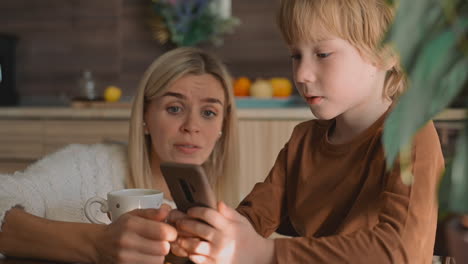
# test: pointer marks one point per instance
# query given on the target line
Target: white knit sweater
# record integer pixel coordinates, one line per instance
(57, 186)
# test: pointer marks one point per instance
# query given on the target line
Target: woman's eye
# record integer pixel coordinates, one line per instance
(323, 55)
(174, 109)
(208, 113)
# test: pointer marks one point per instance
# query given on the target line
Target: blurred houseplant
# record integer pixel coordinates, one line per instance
(431, 38)
(190, 22)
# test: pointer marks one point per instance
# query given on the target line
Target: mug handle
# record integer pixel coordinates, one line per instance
(87, 209)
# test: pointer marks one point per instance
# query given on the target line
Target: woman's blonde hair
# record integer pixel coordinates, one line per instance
(222, 164)
(363, 23)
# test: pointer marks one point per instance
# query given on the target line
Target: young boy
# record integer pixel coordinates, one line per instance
(330, 181)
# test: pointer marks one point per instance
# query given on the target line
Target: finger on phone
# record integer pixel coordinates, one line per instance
(196, 228)
(151, 213)
(195, 246)
(209, 216)
(175, 215)
(199, 259)
(155, 230)
(177, 250)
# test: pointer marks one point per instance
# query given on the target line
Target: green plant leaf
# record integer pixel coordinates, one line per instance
(436, 78)
(431, 37)
(190, 23)
(413, 23)
(437, 71)
(444, 190)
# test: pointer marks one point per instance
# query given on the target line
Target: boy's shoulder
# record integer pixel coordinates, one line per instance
(310, 130)
(312, 126)
(427, 137)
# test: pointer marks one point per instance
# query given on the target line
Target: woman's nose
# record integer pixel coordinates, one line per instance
(191, 124)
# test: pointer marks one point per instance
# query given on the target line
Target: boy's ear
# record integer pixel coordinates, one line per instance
(391, 58)
(391, 62)
(387, 58)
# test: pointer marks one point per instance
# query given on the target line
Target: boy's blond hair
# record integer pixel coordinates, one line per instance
(363, 23)
(222, 165)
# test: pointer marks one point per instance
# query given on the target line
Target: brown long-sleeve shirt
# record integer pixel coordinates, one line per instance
(342, 201)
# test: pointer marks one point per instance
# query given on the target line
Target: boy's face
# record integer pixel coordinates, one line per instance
(334, 78)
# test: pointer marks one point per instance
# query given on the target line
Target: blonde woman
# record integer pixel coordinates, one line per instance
(183, 112)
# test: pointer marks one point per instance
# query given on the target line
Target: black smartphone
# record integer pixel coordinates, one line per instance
(189, 185)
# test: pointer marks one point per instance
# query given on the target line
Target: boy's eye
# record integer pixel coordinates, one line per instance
(323, 55)
(174, 109)
(296, 56)
(208, 113)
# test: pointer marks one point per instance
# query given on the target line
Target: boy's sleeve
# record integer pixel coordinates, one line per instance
(263, 207)
(407, 212)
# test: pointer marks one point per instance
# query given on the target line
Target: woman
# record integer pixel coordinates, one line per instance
(183, 112)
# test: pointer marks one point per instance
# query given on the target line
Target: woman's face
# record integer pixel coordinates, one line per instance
(186, 120)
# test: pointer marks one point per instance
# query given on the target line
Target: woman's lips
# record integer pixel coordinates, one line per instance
(187, 148)
(314, 100)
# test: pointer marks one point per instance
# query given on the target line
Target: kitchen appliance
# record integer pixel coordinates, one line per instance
(8, 94)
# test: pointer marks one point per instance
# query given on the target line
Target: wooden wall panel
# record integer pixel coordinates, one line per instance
(256, 49)
(260, 143)
(21, 139)
(58, 38)
(138, 47)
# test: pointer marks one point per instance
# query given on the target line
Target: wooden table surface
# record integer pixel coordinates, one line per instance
(25, 261)
(169, 260)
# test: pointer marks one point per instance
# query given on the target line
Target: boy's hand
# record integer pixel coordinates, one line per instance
(174, 216)
(226, 237)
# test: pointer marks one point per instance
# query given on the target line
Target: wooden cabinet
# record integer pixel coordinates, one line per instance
(21, 140)
(25, 138)
(260, 143)
(59, 133)
(24, 141)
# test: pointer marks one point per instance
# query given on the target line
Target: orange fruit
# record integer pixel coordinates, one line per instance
(242, 86)
(282, 87)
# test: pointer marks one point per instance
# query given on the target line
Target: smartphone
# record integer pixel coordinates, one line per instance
(188, 185)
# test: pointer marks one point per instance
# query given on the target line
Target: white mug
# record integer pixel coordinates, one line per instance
(122, 201)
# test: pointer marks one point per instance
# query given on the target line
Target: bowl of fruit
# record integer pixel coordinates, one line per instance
(265, 93)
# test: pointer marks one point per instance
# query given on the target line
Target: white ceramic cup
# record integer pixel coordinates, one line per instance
(122, 201)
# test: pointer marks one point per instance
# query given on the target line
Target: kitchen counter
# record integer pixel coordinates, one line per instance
(29, 133)
(298, 113)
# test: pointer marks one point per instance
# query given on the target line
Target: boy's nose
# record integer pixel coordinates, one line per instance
(304, 72)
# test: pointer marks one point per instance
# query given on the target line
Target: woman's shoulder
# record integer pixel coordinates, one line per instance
(75, 154)
(98, 149)
(110, 149)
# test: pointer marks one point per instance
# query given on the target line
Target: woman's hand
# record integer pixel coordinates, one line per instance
(225, 236)
(139, 236)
